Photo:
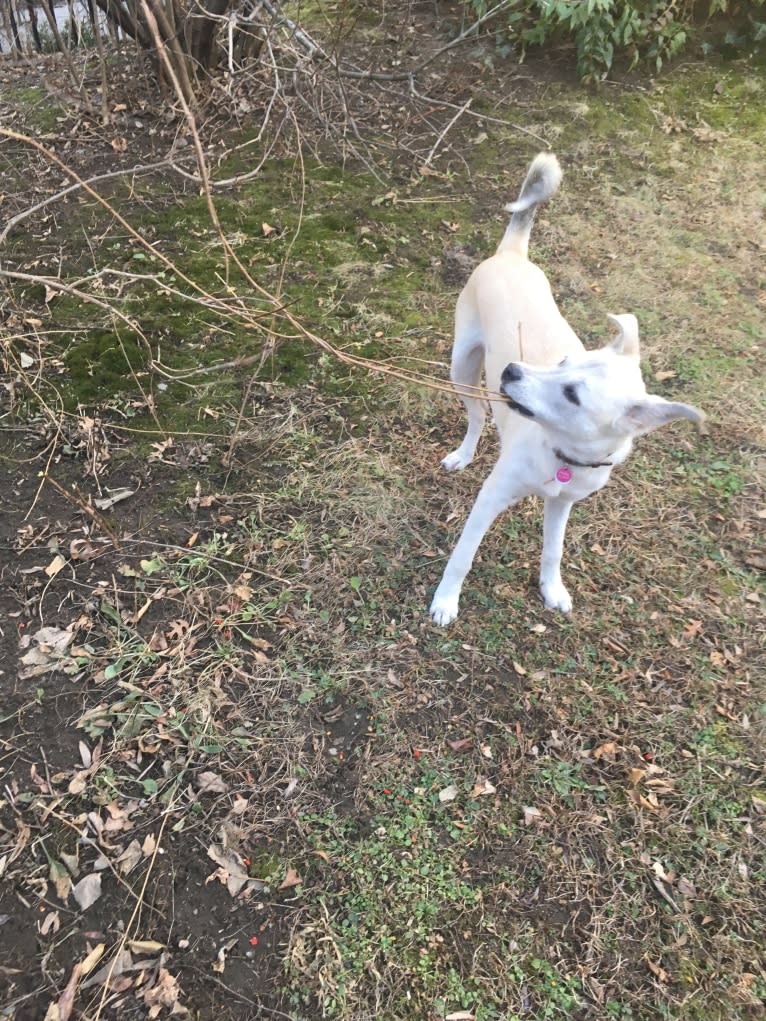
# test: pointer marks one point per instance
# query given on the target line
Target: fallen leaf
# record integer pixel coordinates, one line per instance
(56, 565)
(231, 872)
(655, 969)
(130, 857)
(88, 890)
(482, 787)
(211, 783)
(460, 1015)
(79, 781)
(90, 962)
(164, 993)
(685, 888)
(650, 803)
(239, 806)
(461, 745)
(51, 923)
(531, 815)
(291, 879)
(61, 880)
(607, 750)
(448, 793)
(145, 946)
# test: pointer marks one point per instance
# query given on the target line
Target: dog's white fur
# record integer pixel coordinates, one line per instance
(567, 408)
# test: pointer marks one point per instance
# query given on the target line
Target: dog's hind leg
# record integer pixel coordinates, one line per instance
(465, 372)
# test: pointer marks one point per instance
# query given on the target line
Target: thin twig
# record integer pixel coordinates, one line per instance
(440, 139)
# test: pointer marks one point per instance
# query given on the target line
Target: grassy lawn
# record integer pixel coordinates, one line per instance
(245, 776)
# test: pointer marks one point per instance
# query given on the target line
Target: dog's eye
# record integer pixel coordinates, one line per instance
(571, 394)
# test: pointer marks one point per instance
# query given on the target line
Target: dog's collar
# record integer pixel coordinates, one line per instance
(572, 463)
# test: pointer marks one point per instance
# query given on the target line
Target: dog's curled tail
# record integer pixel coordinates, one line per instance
(542, 180)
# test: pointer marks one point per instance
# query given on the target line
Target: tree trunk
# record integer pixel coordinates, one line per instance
(206, 23)
(50, 14)
(14, 28)
(33, 26)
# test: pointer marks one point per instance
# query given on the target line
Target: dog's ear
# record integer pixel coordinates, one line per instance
(651, 412)
(626, 341)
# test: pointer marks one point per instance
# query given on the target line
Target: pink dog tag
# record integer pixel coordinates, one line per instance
(564, 475)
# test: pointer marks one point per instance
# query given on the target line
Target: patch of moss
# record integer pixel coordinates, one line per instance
(39, 112)
(104, 363)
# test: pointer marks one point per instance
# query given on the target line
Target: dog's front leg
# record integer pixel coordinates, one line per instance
(497, 494)
(555, 519)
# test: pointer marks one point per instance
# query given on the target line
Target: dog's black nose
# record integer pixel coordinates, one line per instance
(511, 373)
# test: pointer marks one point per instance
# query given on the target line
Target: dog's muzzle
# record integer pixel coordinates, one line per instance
(512, 374)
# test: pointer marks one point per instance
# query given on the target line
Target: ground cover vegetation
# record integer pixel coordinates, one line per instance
(243, 774)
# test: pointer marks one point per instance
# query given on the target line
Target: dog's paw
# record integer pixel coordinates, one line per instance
(457, 460)
(444, 609)
(556, 596)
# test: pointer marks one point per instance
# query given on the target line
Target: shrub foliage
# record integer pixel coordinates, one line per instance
(648, 31)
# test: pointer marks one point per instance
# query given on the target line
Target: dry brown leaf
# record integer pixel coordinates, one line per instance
(130, 857)
(607, 750)
(291, 879)
(231, 872)
(164, 993)
(88, 890)
(61, 880)
(145, 946)
(531, 815)
(483, 787)
(461, 745)
(90, 962)
(51, 923)
(685, 888)
(239, 805)
(651, 803)
(447, 794)
(657, 970)
(57, 564)
(211, 783)
(149, 845)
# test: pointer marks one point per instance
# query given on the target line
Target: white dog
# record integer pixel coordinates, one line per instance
(569, 414)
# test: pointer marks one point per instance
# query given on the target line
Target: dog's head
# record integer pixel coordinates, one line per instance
(592, 399)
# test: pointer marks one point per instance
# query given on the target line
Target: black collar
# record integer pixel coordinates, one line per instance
(580, 464)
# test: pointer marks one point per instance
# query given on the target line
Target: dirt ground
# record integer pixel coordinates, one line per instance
(243, 775)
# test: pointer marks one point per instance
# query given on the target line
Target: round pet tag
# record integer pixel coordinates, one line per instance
(564, 475)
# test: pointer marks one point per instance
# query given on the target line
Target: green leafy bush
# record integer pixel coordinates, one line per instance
(650, 31)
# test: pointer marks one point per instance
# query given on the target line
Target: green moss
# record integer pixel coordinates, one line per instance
(104, 363)
(38, 111)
